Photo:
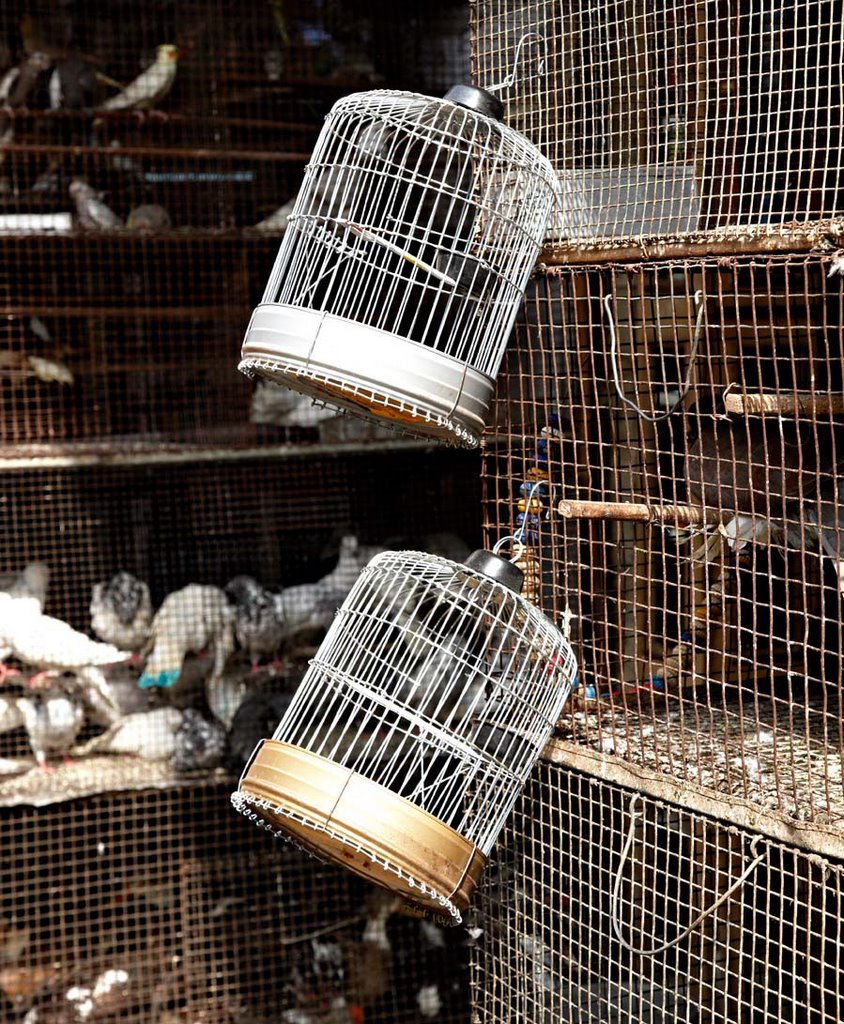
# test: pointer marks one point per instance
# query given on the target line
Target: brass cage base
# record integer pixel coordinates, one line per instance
(342, 817)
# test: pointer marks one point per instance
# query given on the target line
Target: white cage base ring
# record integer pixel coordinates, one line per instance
(368, 371)
(347, 819)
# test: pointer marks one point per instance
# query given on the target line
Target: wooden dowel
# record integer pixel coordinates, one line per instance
(784, 405)
(630, 511)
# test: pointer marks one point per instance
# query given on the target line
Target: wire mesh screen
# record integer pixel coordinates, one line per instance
(167, 908)
(674, 118)
(687, 418)
(648, 912)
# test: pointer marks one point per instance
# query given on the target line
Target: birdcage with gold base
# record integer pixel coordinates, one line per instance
(416, 726)
(404, 261)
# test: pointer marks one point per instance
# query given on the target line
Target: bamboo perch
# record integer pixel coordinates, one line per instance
(667, 515)
(785, 405)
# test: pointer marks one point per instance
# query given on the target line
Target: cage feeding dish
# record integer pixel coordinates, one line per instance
(404, 261)
(415, 727)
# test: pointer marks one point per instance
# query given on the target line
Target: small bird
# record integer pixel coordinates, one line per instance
(92, 213)
(147, 734)
(200, 743)
(121, 611)
(276, 222)
(53, 718)
(148, 218)
(31, 582)
(189, 620)
(151, 86)
(258, 619)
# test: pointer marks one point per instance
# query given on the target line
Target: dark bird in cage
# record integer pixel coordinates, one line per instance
(255, 719)
(121, 611)
(92, 214)
(53, 717)
(147, 734)
(259, 623)
(73, 84)
(31, 582)
(148, 218)
(193, 619)
(151, 86)
(200, 743)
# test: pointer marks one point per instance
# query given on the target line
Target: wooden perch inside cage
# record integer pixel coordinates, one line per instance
(784, 405)
(630, 511)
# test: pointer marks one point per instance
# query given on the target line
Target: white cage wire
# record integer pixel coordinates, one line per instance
(404, 261)
(416, 725)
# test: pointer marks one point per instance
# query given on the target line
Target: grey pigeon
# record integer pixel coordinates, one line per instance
(121, 611)
(91, 212)
(258, 621)
(189, 620)
(53, 719)
(200, 743)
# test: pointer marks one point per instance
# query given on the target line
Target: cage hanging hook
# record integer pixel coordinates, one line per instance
(510, 77)
(516, 537)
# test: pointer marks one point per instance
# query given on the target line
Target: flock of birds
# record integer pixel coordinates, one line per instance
(165, 684)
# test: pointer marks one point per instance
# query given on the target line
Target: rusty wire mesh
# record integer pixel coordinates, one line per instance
(166, 908)
(689, 527)
(766, 946)
(674, 118)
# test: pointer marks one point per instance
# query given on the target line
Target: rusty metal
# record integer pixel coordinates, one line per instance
(784, 405)
(670, 515)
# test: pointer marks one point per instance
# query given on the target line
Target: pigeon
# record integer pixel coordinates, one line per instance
(255, 720)
(276, 223)
(53, 718)
(225, 694)
(151, 86)
(49, 643)
(72, 84)
(189, 620)
(121, 611)
(147, 218)
(91, 212)
(31, 582)
(147, 734)
(200, 743)
(258, 620)
(278, 406)
(18, 83)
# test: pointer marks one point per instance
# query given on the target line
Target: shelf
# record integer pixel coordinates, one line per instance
(92, 775)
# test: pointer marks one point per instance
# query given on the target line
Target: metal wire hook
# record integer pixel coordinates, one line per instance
(510, 78)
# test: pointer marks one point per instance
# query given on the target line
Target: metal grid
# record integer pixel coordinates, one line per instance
(707, 617)
(674, 118)
(167, 908)
(649, 912)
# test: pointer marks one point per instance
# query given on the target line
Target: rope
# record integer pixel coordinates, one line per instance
(640, 412)
(702, 916)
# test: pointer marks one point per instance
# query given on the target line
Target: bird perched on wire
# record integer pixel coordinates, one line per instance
(258, 618)
(92, 214)
(72, 84)
(151, 86)
(53, 717)
(147, 734)
(190, 620)
(121, 611)
(200, 743)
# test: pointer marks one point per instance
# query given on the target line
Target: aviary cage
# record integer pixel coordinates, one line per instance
(686, 118)
(415, 727)
(650, 911)
(404, 261)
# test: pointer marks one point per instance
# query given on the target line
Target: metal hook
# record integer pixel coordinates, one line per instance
(509, 79)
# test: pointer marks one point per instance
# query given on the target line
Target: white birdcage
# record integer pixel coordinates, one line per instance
(415, 727)
(404, 261)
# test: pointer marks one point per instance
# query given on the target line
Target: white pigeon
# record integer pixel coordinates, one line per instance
(151, 85)
(48, 643)
(91, 212)
(189, 620)
(147, 734)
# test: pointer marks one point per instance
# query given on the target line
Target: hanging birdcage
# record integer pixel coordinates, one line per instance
(415, 726)
(404, 261)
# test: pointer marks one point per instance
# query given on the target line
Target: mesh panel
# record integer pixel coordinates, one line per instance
(698, 554)
(765, 948)
(680, 118)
